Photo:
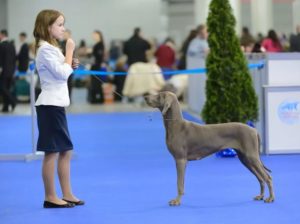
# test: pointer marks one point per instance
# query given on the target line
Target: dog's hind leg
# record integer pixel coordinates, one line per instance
(262, 170)
(251, 168)
(180, 166)
(268, 179)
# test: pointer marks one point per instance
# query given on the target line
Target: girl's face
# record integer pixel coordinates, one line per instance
(57, 29)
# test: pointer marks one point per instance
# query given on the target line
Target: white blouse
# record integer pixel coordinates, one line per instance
(54, 74)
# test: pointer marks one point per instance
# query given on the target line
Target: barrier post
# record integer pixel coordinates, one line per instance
(33, 155)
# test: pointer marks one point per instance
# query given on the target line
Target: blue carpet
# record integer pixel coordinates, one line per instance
(16, 133)
(126, 175)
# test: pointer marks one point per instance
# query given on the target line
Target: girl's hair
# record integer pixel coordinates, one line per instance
(41, 28)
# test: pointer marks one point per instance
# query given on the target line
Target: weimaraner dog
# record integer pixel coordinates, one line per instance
(188, 141)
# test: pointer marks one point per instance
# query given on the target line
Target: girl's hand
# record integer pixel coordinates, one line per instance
(70, 45)
(75, 63)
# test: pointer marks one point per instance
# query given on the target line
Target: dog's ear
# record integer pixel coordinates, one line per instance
(166, 107)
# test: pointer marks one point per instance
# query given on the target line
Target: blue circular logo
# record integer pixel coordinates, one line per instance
(289, 112)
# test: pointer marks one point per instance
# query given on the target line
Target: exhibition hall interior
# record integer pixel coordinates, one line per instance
(150, 111)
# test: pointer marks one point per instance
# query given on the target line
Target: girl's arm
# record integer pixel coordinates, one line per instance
(48, 59)
(70, 47)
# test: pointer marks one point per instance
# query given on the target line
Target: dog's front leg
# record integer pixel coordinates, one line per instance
(180, 166)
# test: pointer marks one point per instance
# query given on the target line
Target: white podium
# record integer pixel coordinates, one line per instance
(282, 104)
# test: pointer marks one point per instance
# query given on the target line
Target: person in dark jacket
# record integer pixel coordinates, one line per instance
(295, 41)
(23, 55)
(98, 50)
(119, 80)
(184, 48)
(7, 70)
(95, 92)
(135, 48)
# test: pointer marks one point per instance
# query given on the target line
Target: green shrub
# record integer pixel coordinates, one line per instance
(229, 88)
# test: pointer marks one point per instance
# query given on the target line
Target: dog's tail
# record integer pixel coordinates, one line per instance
(267, 169)
(259, 141)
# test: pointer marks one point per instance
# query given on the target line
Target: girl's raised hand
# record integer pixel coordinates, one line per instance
(75, 63)
(70, 45)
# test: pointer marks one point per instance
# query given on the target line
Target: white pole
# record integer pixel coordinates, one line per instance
(262, 16)
(32, 102)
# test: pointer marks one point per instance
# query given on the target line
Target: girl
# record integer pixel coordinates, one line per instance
(54, 69)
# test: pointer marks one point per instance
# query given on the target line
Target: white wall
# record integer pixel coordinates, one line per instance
(115, 18)
(296, 14)
(283, 23)
(181, 21)
(3, 14)
(246, 15)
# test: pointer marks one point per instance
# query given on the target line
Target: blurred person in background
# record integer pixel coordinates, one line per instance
(295, 41)
(115, 52)
(284, 41)
(23, 55)
(166, 56)
(198, 49)
(247, 40)
(82, 50)
(272, 43)
(135, 48)
(184, 48)
(119, 80)
(260, 37)
(7, 71)
(95, 92)
(98, 52)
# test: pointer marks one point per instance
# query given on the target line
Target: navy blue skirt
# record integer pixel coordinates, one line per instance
(53, 129)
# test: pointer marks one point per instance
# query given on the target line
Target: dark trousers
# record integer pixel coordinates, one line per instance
(5, 85)
(119, 83)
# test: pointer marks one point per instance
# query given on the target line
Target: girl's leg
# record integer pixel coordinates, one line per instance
(63, 169)
(48, 178)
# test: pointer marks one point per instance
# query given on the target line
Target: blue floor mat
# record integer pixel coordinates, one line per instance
(126, 175)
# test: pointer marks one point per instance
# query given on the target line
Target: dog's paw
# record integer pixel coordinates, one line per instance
(174, 202)
(269, 200)
(259, 198)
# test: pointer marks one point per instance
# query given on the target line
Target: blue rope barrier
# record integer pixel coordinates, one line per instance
(31, 69)
(82, 72)
(175, 72)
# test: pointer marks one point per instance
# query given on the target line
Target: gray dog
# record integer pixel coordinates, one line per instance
(188, 141)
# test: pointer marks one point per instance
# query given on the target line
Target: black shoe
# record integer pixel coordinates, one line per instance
(48, 204)
(75, 202)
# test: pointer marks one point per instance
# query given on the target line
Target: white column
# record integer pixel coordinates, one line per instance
(201, 10)
(236, 8)
(262, 16)
(296, 15)
(3, 14)
(164, 21)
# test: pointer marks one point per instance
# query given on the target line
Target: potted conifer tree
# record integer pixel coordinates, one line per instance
(230, 95)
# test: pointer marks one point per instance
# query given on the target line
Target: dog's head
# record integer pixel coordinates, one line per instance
(162, 101)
